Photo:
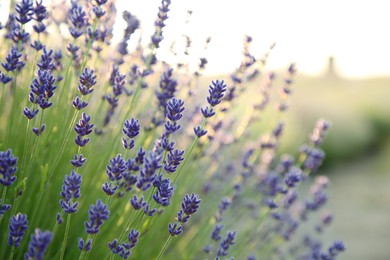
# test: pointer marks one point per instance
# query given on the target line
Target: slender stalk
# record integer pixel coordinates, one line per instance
(3, 199)
(194, 143)
(167, 242)
(66, 235)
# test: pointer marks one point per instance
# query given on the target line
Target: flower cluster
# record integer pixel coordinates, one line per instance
(7, 168)
(189, 206)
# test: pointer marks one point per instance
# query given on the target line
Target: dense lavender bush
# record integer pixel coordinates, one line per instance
(116, 153)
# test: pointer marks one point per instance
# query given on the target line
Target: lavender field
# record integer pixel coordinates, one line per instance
(120, 144)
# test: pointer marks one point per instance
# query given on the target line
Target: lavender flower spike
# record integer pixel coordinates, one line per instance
(97, 215)
(17, 227)
(83, 128)
(38, 244)
(7, 168)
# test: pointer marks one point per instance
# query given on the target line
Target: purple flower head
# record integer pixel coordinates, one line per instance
(73, 50)
(226, 243)
(79, 104)
(199, 131)
(4, 78)
(70, 190)
(40, 14)
(84, 246)
(167, 91)
(175, 229)
(83, 128)
(46, 61)
(216, 234)
(137, 204)
(78, 160)
(175, 107)
(164, 191)
(42, 89)
(4, 208)
(97, 215)
(13, 60)
(25, 11)
(78, 17)
(17, 227)
(39, 130)
(149, 212)
(148, 173)
(314, 158)
(59, 219)
(337, 247)
(116, 168)
(38, 244)
(207, 112)
(131, 128)
(190, 204)
(37, 45)
(108, 189)
(7, 168)
(293, 177)
(174, 159)
(87, 80)
(216, 92)
(132, 238)
(319, 132)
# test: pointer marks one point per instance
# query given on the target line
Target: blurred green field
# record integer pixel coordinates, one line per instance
(358, 152)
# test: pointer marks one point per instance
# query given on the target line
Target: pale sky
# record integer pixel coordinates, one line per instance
(306, 32)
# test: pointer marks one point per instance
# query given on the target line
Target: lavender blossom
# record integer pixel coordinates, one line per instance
(83, 128)
(148, 173)
(78, 18)
(13, 60)
(175, 229)
(78, 160)
(38, 244)
(25, 11)
(174, 110)
(40, 14)
(4, 208)
(131, 129)
(4, 78)
(84, 246)
(46, 60)
(7, 168)
(116, 168)
(226, 243)
(164, 191)
(42, 89)
(17, 227)
(70, 190)
(174, 159)
(97, 215)
(159, 23)
(87, 80)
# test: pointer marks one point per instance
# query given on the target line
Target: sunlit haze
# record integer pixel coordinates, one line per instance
(306, 32)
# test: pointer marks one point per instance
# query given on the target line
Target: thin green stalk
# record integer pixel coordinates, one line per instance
(66, 235)
(11, 256)
(164, 247)
(3, 199)
(194, 143)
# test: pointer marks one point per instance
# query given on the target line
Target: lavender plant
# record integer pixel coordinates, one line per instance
(158, 153)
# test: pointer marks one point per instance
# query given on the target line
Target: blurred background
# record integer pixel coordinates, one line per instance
(341, 50)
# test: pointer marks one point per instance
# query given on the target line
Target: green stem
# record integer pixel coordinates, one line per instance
(164, 247)
(194, 143)
(3, 199)
(65, 236)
